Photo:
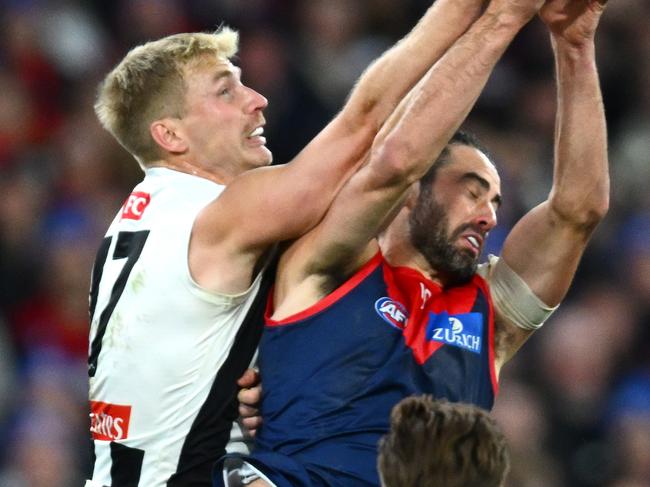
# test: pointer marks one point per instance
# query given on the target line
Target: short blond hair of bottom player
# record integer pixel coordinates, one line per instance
(442, 444)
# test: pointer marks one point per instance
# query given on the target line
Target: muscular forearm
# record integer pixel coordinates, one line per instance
(420, 129)
(389, 79)
(336, 153)
(580, 191)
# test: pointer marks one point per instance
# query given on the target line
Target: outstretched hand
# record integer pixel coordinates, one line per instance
(575, 21)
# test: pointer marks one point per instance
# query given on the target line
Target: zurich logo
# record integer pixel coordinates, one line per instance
(463, 330)
(456, 325)
(392, 312)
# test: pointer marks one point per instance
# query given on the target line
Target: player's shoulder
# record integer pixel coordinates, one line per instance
(168, 194)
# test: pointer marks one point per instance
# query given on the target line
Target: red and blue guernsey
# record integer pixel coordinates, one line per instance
(332, 373)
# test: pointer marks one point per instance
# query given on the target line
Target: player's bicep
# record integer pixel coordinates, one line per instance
(254, 210)
(518, 311)
(545, 251)
(267, 205)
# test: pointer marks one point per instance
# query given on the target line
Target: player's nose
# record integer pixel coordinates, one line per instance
(256, 100)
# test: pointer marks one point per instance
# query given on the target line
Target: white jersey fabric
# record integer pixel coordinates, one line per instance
(157, 343)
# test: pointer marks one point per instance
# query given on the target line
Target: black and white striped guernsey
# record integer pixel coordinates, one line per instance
(164, 353)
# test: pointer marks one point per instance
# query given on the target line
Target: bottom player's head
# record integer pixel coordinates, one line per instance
(180, 99)
(455, 209)
(434, 444)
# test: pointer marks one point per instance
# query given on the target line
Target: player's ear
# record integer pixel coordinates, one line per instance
(168, 134)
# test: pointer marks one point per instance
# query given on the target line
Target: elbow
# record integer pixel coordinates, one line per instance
(584, 213)
(601, 208)
(594, 214)
(395, 161)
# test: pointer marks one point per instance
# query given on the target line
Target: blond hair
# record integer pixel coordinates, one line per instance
(149, 84)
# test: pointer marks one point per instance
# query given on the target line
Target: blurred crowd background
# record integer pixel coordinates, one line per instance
(575, 403)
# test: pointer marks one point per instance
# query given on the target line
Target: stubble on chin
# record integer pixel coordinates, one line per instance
(430, 235)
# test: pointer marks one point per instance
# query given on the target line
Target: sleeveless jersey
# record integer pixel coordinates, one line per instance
(332, 373)
(165, 354)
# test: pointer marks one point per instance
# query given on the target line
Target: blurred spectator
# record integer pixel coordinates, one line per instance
(71, 38)
(629, 426)
(44, 440)
(296, 115)
(573, 405)
(56, 315)
(519, 410)
(146, 20)
(8, 381)
(333, 46)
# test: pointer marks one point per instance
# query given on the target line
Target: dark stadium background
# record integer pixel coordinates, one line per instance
(575, 403)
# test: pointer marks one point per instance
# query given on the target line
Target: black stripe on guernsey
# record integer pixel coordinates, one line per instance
(126, 466)
(98, 270)
(93, 457)
(207, 439)
(129, 246)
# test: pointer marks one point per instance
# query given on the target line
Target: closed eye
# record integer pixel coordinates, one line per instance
(474, 190)
(478, 186)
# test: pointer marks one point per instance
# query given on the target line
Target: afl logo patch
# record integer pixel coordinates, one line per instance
(392, 312)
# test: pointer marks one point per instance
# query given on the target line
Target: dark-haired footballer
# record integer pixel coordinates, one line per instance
(356, 323)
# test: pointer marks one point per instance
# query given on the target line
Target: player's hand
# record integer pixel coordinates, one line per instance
(249, 398)
(574, 21)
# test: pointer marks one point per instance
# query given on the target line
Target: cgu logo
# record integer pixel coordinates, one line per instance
(135, 205)
(392, 312)
(109, 422)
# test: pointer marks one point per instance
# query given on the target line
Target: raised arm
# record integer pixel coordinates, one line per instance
(268, 205)
(544, 248)
(409, 142)
(385, 83)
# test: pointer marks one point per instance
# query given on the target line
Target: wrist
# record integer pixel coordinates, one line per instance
(508, 18)
(573, 50)
(510, 15)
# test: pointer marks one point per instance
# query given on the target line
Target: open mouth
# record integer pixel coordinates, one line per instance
(256, 136)
(473, 243)
(258, 132)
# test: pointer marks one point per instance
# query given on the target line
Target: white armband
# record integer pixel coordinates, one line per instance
(512, 298)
